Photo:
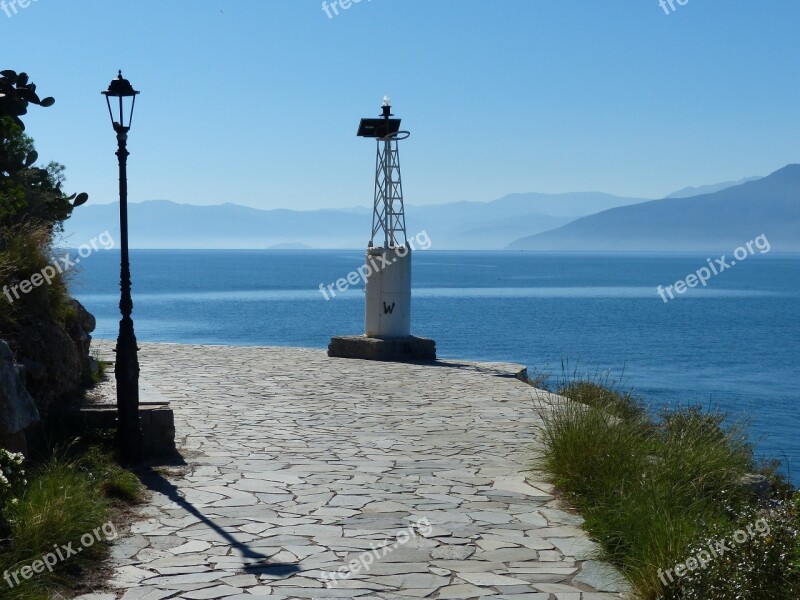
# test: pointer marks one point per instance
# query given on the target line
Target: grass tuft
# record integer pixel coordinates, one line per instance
(69, 496)
(116, 482)
(651, 490)
(25, 250)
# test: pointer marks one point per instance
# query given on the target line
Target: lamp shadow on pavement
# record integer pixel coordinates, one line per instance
(156, 482)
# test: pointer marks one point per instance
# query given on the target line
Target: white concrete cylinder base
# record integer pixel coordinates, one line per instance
(388, 313)
(388, 292)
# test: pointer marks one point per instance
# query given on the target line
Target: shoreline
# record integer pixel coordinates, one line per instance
(449, 359)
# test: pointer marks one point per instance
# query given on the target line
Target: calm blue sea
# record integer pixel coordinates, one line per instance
(735, 343)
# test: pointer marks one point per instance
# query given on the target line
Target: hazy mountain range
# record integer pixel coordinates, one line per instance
(460, 225)
(721, 220)
(707, 217)
(708, 189)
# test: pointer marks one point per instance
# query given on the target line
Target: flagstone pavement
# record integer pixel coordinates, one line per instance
(314, 477)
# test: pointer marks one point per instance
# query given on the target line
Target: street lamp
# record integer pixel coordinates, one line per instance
(119, 95)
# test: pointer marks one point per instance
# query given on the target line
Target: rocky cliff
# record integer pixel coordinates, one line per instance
(43, 362)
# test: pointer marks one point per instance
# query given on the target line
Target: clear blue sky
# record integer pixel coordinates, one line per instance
(257, 101)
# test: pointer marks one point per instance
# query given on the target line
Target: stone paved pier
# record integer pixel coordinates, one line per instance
(299, 466)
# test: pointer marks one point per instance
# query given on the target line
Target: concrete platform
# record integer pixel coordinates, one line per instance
(401, 349)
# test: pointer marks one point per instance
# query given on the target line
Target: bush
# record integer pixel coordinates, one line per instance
(69, 497)
(115, 482)
(12, 479)
(26, 249)
(755, 569)
(591, 393)
(653, 490)
(33, 207)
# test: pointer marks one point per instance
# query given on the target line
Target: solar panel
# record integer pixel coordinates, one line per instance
(378, 128)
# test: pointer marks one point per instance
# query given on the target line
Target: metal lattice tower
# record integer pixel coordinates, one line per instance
(388, 215)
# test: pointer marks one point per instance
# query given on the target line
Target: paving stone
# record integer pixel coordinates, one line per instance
(299, 464)
(507, 555)
(452, 552)
(220, 591)
(322, 593)
(147, 593)
(577, 547)
(601, 577)
(556, 587)
(259, 590)
(412, 581)
(534, 518)
(494, 544)
(490, 579)
(464, 590)
(129, 576)
(193, 547)
(293, 582)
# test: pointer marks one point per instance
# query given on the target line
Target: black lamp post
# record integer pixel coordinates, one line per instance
(126, 369)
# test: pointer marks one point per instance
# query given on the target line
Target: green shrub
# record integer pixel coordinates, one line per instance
(115, 482)
(754, 568)
(68, 498)
(12, 480)
(30, 194)
(591, 393)
(26, 249)
(33, 207)
(652, 490)
(60, 505)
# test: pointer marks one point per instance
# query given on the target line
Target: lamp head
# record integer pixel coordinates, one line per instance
(122, 91)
